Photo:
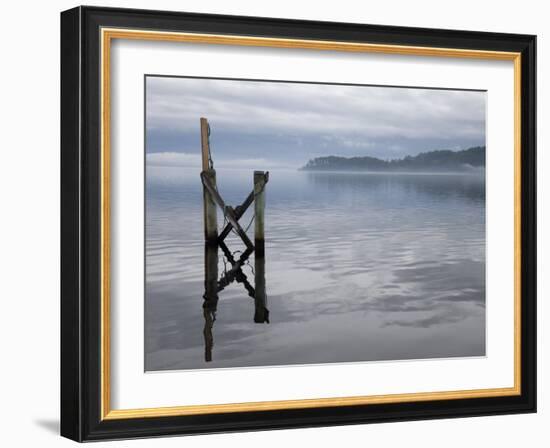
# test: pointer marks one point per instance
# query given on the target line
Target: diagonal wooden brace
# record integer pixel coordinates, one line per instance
(241, 209)
(239, 212)
(228, 212)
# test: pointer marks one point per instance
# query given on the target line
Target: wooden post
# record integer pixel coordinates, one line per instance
(210, 303)
(261, 313)
(210, 212)
(205, 145)
(260, 179)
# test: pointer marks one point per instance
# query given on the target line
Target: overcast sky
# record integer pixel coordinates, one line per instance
(265, 125)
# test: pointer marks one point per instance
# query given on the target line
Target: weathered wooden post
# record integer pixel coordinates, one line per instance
(260, 179)
(210, 213)
(210, 304)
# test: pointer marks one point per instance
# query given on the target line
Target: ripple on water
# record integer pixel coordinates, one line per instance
(380, 268)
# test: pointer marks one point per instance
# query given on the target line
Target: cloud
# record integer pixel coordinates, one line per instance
(312, 108)
(284, 117)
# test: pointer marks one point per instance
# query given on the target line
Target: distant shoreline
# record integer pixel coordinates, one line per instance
(469, 160)
(477, 172)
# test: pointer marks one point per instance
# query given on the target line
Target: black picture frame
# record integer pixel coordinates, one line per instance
(81, 224)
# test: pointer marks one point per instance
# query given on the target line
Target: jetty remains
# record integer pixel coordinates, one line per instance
(214, 240)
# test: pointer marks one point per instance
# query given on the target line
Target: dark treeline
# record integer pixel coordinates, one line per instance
(441, 160)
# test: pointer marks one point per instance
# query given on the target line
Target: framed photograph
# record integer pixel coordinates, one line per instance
(273, 223)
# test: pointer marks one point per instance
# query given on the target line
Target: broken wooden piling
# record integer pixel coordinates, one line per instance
(209, 174)
(210, 210)
(212, 199)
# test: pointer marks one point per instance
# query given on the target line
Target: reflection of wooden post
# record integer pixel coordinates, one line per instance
(211, 272)
(210, 304)
(260, 179)
(261, 314)
(210, 213)
(209, 318)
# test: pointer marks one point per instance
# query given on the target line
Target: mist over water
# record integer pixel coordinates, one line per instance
(359, 267)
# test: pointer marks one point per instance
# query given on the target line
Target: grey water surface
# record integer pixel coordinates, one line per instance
(358, 267)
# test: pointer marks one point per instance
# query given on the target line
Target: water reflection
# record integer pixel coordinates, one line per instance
(360, 267)
(438, 186)
(235, 273)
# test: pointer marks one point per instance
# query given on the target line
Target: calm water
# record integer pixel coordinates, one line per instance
(358, 267)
